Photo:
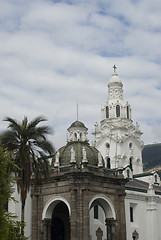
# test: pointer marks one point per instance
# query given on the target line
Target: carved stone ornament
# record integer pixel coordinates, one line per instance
(72, 159)
(56, 164)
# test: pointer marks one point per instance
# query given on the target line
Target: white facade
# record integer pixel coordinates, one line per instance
(119, 142)
(118, 139)
(146, 208)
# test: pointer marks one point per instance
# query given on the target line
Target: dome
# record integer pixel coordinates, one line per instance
(77, 132)
(115, 78)
(65, 154)
(77, 150)
(77, 124)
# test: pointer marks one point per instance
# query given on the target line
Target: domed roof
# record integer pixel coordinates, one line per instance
(77, 150)
(77, 124)
(78, 132)
(115, 78)
(65, 153)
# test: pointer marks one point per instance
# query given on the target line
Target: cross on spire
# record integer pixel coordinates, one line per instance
(114, 67)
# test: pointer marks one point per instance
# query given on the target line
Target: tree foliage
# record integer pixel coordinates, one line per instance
(10, 228)
(29, 147)
(151, 156)
(5, 184)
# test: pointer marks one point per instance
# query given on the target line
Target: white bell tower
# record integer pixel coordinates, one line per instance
(118, 139)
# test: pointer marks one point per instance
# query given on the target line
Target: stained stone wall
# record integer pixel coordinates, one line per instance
(77, 187)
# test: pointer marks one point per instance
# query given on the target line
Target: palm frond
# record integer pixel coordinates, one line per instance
(13, 124)
(36, 121)
(25, 140)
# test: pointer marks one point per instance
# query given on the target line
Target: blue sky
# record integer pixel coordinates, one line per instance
(54, 54)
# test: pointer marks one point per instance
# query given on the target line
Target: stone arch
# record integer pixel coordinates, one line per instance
(51, 204)
(106, 205)
(104, 220)
(107, 162)
(56, 219)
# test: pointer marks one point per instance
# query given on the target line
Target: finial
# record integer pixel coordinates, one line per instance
(77, 110)
(114, 67)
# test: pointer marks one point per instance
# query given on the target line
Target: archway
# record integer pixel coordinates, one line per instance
(56, 218)
(60, 226)
(102, 217)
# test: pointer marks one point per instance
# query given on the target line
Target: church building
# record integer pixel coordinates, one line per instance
(83, 199)
(98, 191)
(119, 142)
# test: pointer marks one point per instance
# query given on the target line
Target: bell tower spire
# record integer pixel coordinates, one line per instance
(115, 87)
(118, 140)
(115, 107)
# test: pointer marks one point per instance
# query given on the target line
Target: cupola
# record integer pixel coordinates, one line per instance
(78, 151)
(115, 88)
(78, 132)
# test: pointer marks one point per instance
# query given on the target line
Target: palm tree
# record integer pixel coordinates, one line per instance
(29, 147)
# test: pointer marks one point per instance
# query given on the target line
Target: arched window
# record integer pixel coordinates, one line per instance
(117, 110)
(130, 145)
(75, 137)
(130, 162)
(108, 163)
(127, 111)
(128, 173)
(80, 136)
(156, 179)
(107, 145)
(107, 112)
(96, 212)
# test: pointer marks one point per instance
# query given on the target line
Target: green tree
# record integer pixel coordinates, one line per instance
(29, 147)
(10, 229)
(4, 191)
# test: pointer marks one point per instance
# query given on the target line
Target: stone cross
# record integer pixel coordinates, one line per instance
(114, 67)
(99, 234)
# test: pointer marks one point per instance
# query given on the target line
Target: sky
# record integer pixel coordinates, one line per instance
(55, 55)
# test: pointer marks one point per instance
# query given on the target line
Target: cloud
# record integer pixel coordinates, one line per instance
(54, 54)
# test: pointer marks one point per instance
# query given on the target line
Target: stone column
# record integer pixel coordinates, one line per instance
(73, 217)
(120, 210)
(86, 223)
(34, 217)
(152, 214)
(47, 228)
(110, 223)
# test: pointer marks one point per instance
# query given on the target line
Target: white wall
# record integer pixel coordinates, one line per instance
(147, 215)
(96, 223)
(15, 208)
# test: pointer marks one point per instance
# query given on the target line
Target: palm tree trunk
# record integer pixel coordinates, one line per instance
(22, 217)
